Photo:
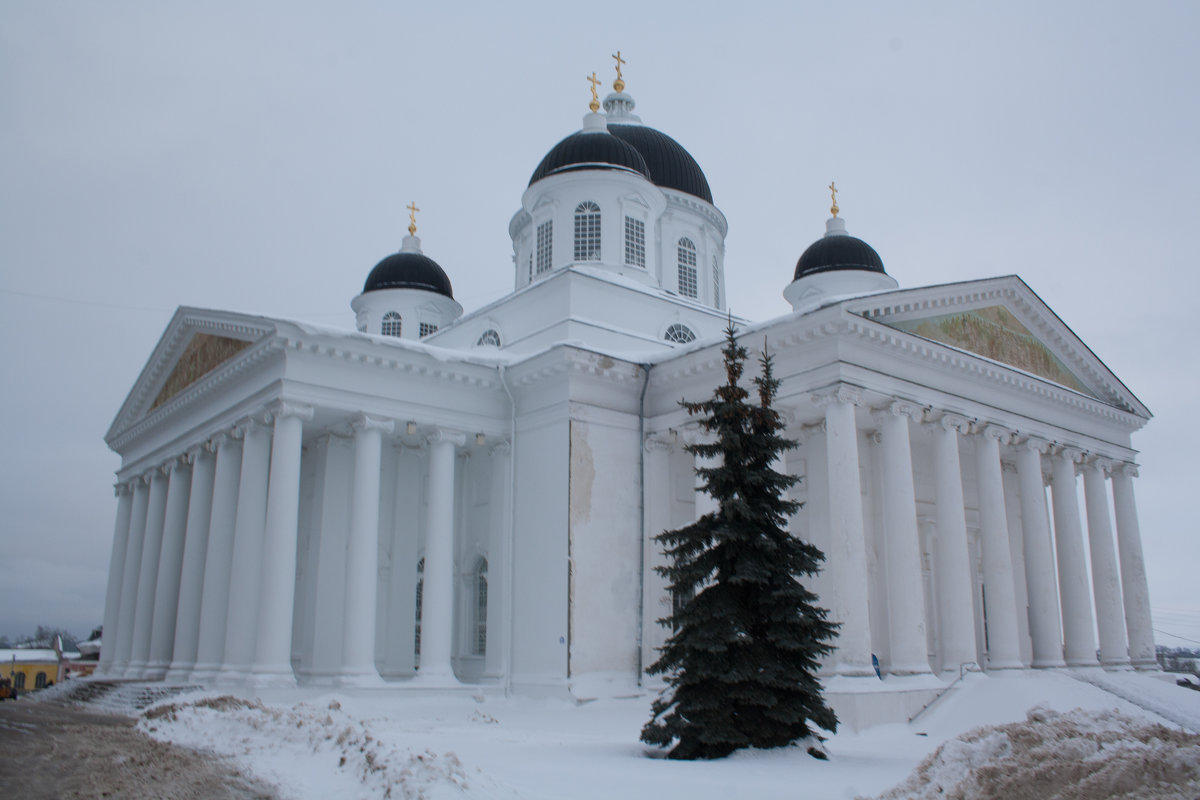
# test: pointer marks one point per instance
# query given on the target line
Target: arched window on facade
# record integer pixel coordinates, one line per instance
(19, 680)
(687, 267)
(480, 590)
(391, 324)
(635, 242)
(679, 334)
(488, 337)
(420, 592)
(587, 231)
(39, 682)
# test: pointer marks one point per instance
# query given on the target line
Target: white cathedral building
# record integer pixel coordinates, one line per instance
(444, 498)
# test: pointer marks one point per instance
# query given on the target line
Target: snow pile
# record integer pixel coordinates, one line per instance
(1078, 755)
(346, 757)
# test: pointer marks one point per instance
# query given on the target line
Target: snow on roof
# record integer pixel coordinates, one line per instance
(32, 655)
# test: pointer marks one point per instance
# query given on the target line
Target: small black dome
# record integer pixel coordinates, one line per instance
(407, 270)
(838, 252)
(590, 150)
(670, 165)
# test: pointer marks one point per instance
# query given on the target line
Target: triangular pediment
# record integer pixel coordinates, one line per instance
(1003, 320)
(196, 344)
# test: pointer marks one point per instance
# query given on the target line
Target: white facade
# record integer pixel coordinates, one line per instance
(301, 504)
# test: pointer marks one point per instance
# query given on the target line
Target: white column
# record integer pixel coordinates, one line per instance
(1134, 589)
(705, 502)
(499, 547)
(362, 549)
(1072, 571)
(116, 569)
(1045, 626)
(656, 594)
(241, 623)
(1000, 602)
(191, 580)
(1016, 545)
(437, 601)
(847, 552)
(277, 584)
(143, 617)
(956, 604)
(218, 560)
(130, 574)
(170, 562)
(906, 591)
(1106, 586)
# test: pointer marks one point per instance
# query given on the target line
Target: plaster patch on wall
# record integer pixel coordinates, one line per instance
(993, 332)
(583, 473)
(203, 354)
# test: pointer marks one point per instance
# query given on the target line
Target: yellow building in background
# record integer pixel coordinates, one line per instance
(31, 669)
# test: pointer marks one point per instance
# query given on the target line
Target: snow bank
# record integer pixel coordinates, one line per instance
(1078, 755)
(310, 750)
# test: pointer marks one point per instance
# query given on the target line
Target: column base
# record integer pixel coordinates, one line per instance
(1049, 664)
(904, 670)
(856, 671)
(1083, 662)
(272, 678)
(178, 673)
(1146, 665)
(232, 676)
(1002, 665)
(441, 679)
(155, 671)
(360, 679)
(205, 674)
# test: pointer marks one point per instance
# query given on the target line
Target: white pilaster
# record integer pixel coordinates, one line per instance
(705, 502)
(1080, 641)
(130, 574)
(218, 560)
(656, 594)
(437, 603)
(116, 570)
(955, 594)
(905, 587)
(170, 562)
(362, 548)
(1134, 589)
(1004, 647)
(499, 548)
(143, 619)
(1044, 621)
(847, 552)
(191, 580)
(277, 589)
(242, 618)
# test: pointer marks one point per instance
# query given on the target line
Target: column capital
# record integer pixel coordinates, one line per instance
(838, 393)
(502, 447)
(658, 442)
(1035, 444)
(991, 431)
(694, 433)
(1072, 454)
(288, 408)
(246, 424)
(1102, 463)
(122, 488)
(438, 435)
(367, 422)
(1126, 469)
(953, 422)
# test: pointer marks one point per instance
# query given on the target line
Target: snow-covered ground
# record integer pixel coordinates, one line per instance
(350, 744)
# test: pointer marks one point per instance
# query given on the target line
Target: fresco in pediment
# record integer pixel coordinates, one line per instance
(204, 353)
(993, 332)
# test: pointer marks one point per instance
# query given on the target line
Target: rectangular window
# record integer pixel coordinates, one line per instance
(427, 328)
(544, 253)
(687, 268)
(587, 232)
(635, 242)
(716, 284)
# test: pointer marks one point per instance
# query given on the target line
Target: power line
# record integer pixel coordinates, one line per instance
(1176, 636)
(86, 302)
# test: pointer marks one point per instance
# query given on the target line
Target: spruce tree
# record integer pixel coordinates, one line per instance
(741, 664)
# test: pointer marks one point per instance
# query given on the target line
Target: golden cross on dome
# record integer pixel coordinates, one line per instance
(595, 104)
(833, 193)
(619, 84)
(412, 218)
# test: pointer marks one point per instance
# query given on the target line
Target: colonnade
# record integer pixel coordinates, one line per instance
(202, 579)
(1047, 579)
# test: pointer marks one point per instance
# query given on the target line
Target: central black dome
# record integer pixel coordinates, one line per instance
(590, 150)
(670, 165)
(838, 252)
(407, 270)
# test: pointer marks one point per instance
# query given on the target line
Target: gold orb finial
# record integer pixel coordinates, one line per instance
(412, 218)
(833, 209)
(619, 84)
(595, 104)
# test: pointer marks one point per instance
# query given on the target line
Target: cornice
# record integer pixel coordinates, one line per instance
(698, 206)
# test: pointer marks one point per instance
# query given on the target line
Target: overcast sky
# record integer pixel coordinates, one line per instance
(258, 157)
